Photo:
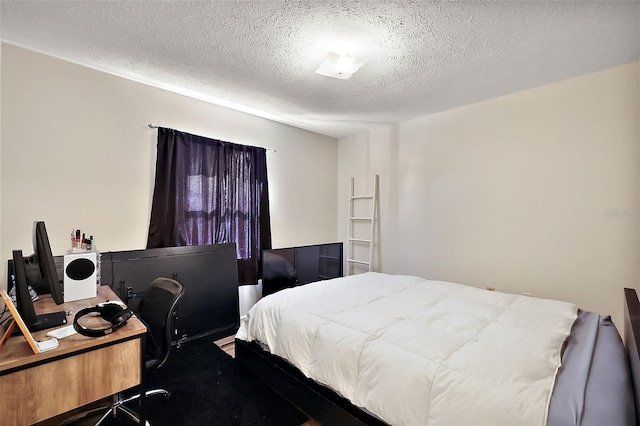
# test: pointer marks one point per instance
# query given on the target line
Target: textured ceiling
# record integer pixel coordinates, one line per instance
(260, 56)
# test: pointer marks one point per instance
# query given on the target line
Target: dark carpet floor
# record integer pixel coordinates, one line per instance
(205, 390)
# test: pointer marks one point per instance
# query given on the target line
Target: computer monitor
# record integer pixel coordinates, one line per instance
(47, 266)
(25, 304)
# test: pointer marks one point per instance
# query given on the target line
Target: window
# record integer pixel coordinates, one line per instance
(211, 192)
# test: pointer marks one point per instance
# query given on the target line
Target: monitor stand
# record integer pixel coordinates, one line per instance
(44, 321)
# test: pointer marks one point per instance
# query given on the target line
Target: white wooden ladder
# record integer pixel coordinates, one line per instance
(361, 240)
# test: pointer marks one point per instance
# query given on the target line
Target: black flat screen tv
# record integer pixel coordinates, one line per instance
(209, 274)
(291, 266)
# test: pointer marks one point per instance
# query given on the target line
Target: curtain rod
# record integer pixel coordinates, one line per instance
(155, 126)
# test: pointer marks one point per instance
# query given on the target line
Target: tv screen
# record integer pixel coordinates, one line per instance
(292, 266)
(48, 271)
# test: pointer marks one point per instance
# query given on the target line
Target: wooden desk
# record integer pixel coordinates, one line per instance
(35, 387)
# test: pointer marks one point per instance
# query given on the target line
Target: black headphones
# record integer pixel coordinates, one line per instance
(116, 313)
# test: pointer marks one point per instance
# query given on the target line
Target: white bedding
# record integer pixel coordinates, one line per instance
(417, 352)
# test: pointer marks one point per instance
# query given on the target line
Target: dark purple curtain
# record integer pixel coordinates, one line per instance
(211, 192)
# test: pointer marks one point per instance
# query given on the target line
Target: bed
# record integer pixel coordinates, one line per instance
(390, 349)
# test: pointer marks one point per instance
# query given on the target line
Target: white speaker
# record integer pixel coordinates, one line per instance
(80, 275)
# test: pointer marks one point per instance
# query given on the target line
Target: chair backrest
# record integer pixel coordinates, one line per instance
(156, 311)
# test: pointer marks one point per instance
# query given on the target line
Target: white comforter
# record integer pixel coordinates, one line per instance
(417, 352)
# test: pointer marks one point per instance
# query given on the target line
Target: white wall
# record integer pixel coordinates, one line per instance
(512, 192)
(1, 247)
(76, 152)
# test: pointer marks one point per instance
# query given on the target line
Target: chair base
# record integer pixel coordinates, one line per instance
(118, 406)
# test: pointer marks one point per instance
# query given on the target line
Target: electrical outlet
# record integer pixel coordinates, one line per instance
(491, 288)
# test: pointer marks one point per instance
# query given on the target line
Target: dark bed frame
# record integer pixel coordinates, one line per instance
(328, 408)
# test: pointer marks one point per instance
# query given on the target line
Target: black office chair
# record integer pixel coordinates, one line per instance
(156, 312)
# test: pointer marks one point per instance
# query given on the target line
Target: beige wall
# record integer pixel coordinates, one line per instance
(511, 192)
(2, 271)
(515, 193)
(76, 152)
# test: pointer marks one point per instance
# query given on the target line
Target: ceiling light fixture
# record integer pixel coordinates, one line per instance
(339, 65)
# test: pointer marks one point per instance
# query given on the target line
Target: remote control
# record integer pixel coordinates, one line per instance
(61, 333)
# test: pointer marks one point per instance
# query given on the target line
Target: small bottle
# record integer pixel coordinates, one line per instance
(73, 239)
(88, 244)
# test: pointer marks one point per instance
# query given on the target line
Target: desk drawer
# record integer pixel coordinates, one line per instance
(46, 390)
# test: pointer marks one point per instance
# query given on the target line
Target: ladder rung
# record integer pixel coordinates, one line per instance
(362, 197)
(359, 240)
(361, 262)
(361, 218)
